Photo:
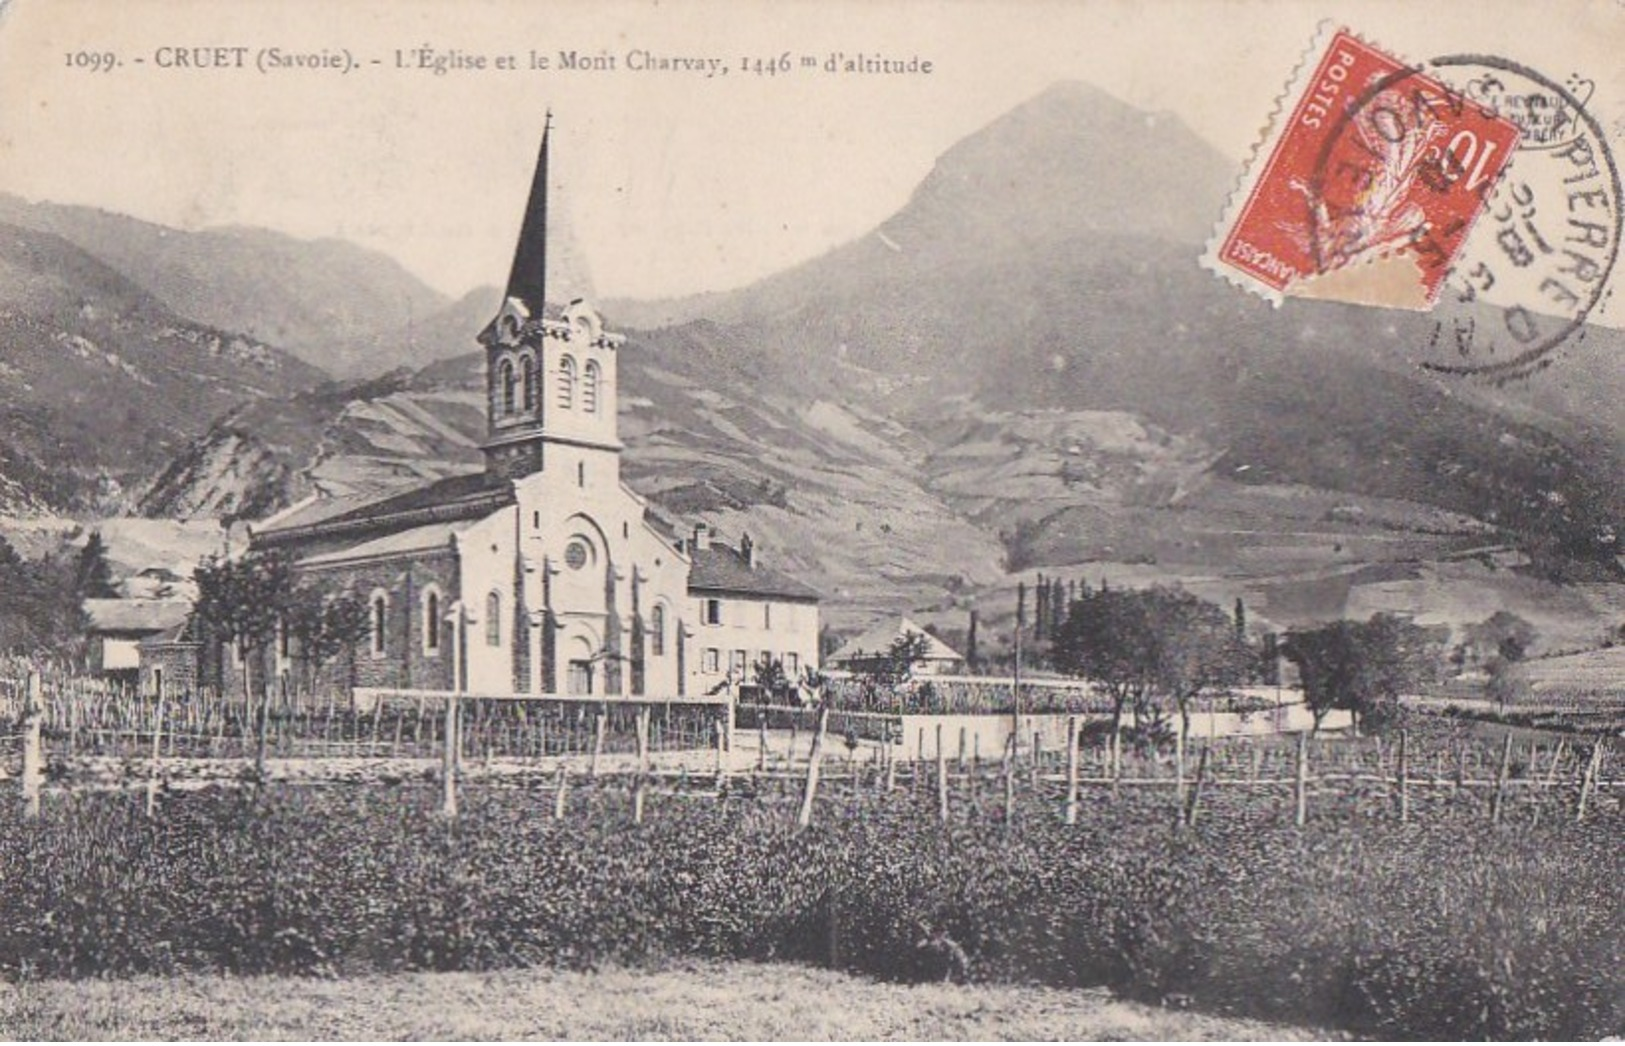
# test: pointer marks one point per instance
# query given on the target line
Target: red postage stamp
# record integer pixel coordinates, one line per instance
(1366, 187)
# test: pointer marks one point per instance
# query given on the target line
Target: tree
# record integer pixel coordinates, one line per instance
(1040, 607)
(1503, 634)
(92, 575)
(1197, 649)
(39, 610)
(241, 601)
(971, 658)
(770, 676)
(1361, 667)
(1107, 638)
(324, 625)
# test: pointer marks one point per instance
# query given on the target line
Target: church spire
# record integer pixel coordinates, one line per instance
(527, 280)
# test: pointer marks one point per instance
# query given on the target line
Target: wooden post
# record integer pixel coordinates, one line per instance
(1010, 783)
(1196, 790)
(643, 763)
(1589, 781)
(1038, 759)
(1557, 757)
(810, 790)
(942, 779)
(891, 761)
(1404, 776)
(33, 753)
(597, 742)
(963, 748)
(1461, 766)
(1179, 765)
(563, 793)
(1303, 779)
(1501, 781)
(157, 755)
(761, 740)
(1072, 769)
(448, 759)
(721, 731)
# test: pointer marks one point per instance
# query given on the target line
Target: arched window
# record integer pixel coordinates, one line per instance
(507, 379)
(567, 381)
(431, 621)
(527, 377)
(589, 388)
(657, 631)
(380, 620)
(493, 619)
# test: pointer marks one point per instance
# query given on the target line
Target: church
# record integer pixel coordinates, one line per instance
(544, 573)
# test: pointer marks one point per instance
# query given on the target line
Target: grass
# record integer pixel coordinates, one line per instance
(688, 1000)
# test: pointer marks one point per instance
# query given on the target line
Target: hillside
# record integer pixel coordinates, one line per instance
(329, 302)
(101, 384)
(1025, 368)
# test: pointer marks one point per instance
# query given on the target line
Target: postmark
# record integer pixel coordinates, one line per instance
(1469, 187)
(1375, 162)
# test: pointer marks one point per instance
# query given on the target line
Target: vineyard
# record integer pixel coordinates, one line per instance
(1430, 882)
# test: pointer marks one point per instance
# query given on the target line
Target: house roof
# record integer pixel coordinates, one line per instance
(878, 639)
(416, 539)
(136, 615)
(461, 497)
(725, 570)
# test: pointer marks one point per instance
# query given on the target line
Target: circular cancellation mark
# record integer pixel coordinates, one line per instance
(1541, 239)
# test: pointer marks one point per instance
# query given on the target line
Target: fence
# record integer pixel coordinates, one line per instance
(100, 736)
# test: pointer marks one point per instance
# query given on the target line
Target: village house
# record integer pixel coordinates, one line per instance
(544, 573)
(866, 652)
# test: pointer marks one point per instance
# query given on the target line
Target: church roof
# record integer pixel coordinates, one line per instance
(725, 570)
(417, 539)
(878, 639)
(468, 496)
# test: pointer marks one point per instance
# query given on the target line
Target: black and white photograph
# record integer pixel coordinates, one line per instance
(746, 521)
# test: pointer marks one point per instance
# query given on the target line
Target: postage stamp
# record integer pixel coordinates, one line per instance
(1376, 166)
(1469, 187)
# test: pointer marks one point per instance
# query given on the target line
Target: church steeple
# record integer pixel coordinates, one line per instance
(527, 279)
(549, 370)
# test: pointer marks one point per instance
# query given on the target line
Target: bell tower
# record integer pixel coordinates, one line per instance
(550, 370)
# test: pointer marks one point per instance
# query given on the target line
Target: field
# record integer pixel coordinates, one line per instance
(1447, 926)
(695, 1000)
(1446, 880)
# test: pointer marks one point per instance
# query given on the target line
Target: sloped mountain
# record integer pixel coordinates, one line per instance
(1023, 368)
(329, 302)
(101, 384)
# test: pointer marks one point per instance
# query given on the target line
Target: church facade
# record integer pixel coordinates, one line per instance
(544, 573)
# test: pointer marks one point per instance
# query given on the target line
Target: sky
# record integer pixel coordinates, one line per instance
(676, 182)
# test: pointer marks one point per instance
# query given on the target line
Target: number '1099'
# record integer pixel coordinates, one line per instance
(93, 61)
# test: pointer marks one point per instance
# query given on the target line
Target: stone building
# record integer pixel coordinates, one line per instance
(543, 573)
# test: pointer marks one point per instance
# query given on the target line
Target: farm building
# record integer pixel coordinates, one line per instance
(118, 626)
(864, 652)
(544, 573)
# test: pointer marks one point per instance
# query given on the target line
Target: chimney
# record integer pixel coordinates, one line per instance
(747, 549)
(702, 537)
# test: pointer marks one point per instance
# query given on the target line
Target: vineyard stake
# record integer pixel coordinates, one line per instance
(638, 776)
(1072, 769)
(963, 736)
(891, 762)
(1404, 776)
(1179, 766)
(942, 779)
(721, 729)
(1501, 781)
(33, 755)
(1196, 789)
(810, 790)
(157, 754)
(1589, 781)
(1010, 784)
(1557, 757)
(1038, 759)
(563, 792)
(448, 759)
(761, 741)
(1302, 816)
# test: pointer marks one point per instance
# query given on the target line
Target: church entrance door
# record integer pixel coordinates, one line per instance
(579, 680)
